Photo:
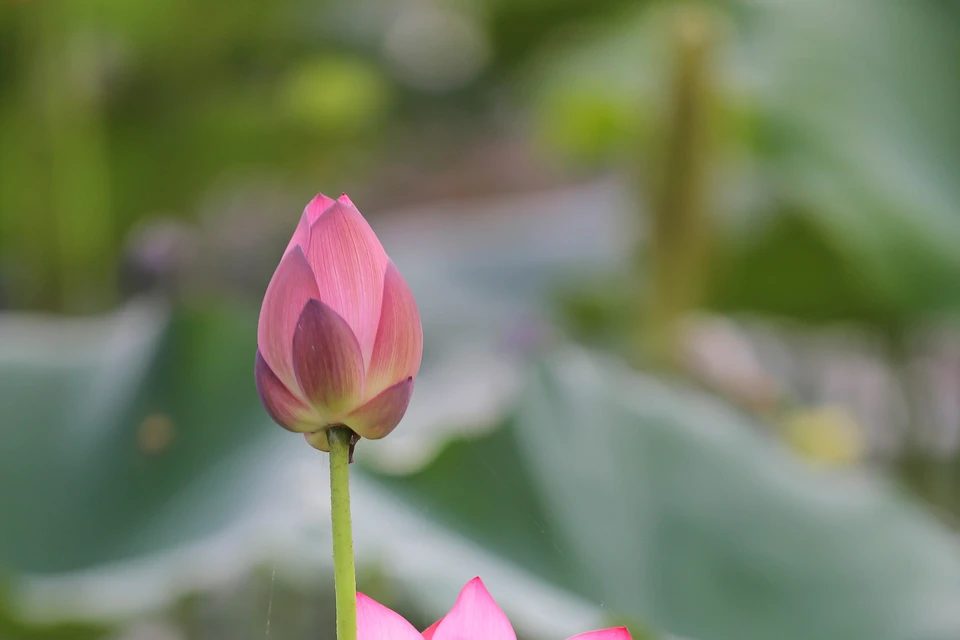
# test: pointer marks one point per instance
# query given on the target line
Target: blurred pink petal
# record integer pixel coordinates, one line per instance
(327, 360)
(377, 622)
(285, 409)
(289, 290)
(429, 631)
(349, 264)
(398, 347)
(381, 415)
(475, 616)
(617, 633)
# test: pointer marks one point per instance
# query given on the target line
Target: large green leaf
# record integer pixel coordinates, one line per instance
(661, 504)
(860, 95)
(116, 426)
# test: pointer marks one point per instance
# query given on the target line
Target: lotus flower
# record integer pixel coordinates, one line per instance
(339, 340)
(475, 616)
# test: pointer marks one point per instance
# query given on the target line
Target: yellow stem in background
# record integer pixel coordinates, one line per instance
(680, 221)
(78, 215)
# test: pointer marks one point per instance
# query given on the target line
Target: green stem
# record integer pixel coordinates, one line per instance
(344, 574)
(680, 232)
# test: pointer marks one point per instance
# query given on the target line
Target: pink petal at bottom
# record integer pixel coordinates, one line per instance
(285, 409)
(377, 622)
(475, 616)
(429, 631)
(381, 415)
(617, 633)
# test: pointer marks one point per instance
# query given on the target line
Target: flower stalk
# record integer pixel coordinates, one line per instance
(344, 574)
(681, 207)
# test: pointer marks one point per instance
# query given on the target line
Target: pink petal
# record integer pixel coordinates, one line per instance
(617, 633)
(289, 290)
(429, 631)
(316, 207)
(349, 264)
(286, 409)
(326, 359)
(399, 343)
(377, 622)
(301, 236)
(380, 416)
(475, 616)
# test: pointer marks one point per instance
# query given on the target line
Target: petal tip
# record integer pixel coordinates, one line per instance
(377, 622)
(316, 207)
(347, 207)
(475, 614)
(298, 253)
(349, 264)
(614, 633)
(432, 629)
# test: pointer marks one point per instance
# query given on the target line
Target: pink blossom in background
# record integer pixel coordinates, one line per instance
(475, 616)
(339, 339)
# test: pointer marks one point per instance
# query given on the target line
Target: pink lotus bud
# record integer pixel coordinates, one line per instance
(339, 337)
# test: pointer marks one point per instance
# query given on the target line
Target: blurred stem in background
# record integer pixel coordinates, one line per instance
(680, 229)
(923, 465)
(344, 574)
(68, 215)
(27, 268)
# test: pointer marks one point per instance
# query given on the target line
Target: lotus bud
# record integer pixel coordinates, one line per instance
(339, 340)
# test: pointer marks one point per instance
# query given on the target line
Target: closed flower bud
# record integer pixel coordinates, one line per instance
(339, 339)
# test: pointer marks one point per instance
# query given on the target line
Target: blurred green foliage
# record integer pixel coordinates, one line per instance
(802, 164)
(12, 627)
(113, 112)
(835, 151)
